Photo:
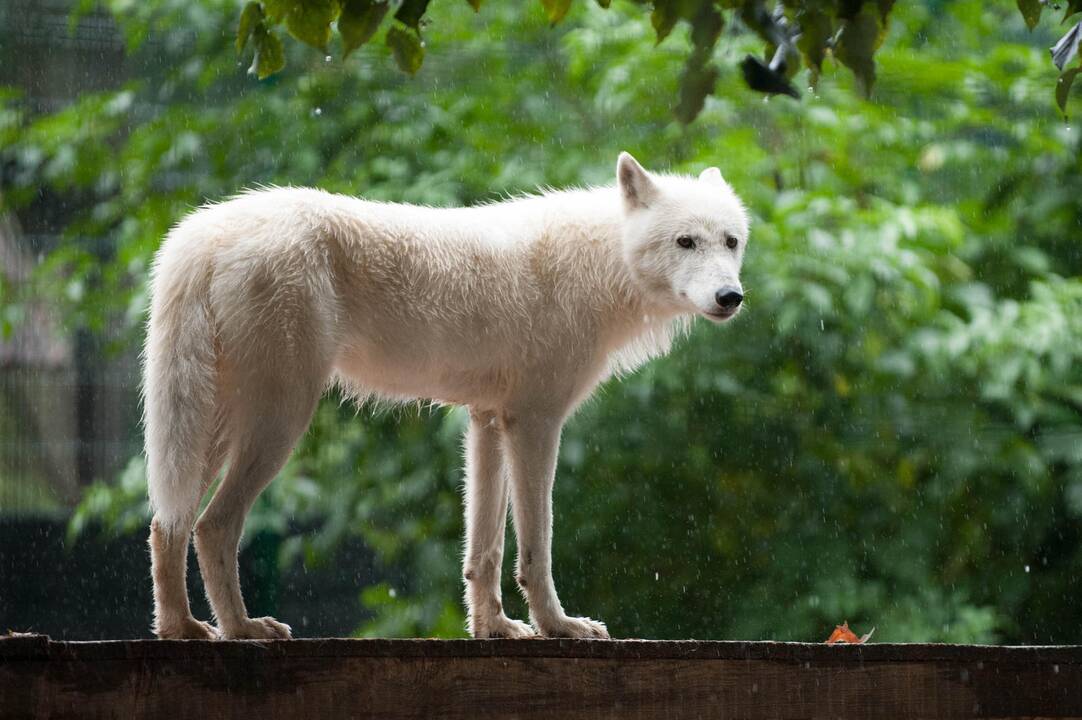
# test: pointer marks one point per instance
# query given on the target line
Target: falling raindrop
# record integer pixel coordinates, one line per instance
(1027, 568)
(327, 58)
(317, 111)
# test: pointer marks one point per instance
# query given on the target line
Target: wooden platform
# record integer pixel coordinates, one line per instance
(549, 679)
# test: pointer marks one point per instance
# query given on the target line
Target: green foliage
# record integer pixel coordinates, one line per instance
(359, 21)
(857, 42)
(121, 505)
(556, 10)
(852, 31)
(1031, 11)
(311, 22)
(408, 53)
(268, 56)
(889, 434)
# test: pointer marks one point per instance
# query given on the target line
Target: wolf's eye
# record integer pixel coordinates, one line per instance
(731, 242)
(686, 241)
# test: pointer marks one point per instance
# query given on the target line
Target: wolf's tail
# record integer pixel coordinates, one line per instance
(179, 388)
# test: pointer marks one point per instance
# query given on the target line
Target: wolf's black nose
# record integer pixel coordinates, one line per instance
(728, 299)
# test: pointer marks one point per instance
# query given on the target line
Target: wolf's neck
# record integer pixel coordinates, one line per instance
(588, 231)
(633, 327)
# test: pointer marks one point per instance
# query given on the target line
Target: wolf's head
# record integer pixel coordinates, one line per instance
(684, 239)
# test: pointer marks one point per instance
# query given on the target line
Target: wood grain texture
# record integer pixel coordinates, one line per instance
(548, 679)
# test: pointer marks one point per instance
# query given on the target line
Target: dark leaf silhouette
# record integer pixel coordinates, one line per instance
(407, 50)
(359, 21)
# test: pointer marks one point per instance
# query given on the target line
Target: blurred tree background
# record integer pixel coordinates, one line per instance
(890, 434)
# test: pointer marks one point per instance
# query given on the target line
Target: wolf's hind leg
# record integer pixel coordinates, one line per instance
(169, 566)
(486, 521)
(172, 614)
(263, 430)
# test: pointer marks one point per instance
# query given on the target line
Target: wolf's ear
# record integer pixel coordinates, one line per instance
(636, 186)
(712, 175)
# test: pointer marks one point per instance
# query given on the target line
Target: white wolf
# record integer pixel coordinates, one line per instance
(515, 309)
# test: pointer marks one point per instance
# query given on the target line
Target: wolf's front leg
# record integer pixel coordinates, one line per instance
(531, 445)
(486, 520)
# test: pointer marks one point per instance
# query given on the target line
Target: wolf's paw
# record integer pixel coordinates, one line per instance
(264, 628)
(571, 627)
(502, 626)
(188, 629)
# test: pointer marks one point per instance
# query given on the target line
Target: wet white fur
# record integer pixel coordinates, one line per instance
(516, 309)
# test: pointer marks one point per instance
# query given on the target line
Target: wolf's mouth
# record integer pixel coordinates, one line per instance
(720, 315)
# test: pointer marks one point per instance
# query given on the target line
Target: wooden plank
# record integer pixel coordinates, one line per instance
(548, 679)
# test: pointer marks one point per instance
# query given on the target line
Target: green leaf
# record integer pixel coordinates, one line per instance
(269, 56)
(706, 26)
(359, 21)
(1073, 7)
(276, 10)
(1063, 87)
(251, 16)
(856, 45)
(816, 30)
(698, 82)
(310, 22)
(411, 12)
(1031, 11)
(664, 17)
(407, 49)
(556, 9)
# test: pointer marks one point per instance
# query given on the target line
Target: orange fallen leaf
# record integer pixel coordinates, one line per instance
(842, 634)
